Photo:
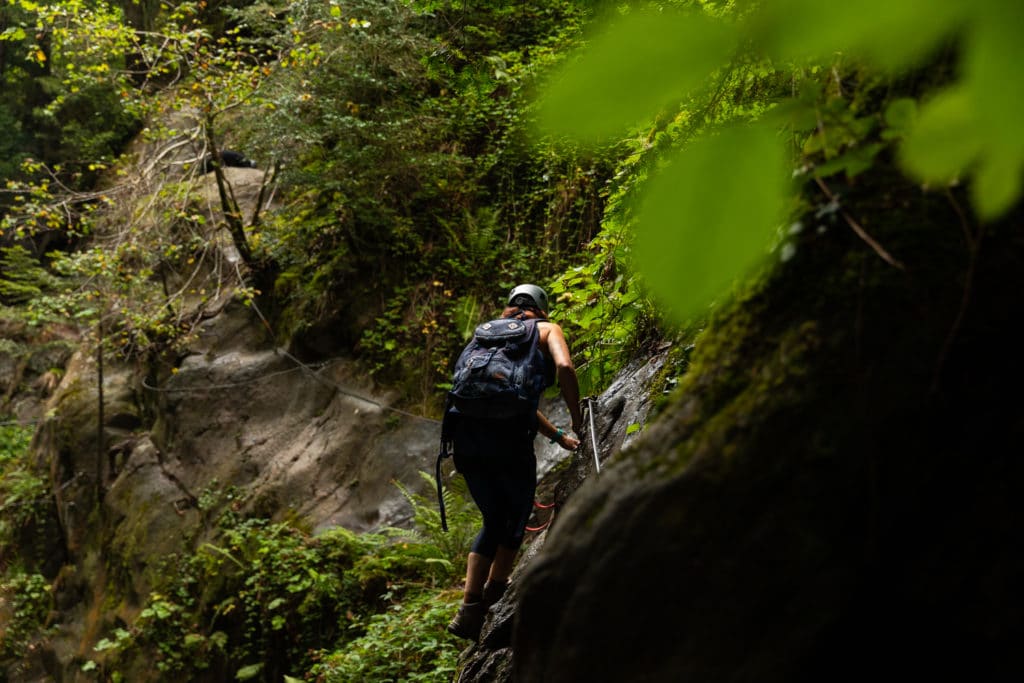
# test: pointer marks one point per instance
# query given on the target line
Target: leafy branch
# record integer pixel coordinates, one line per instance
(707, 216)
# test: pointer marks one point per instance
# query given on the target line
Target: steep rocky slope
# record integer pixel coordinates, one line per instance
(237, 418)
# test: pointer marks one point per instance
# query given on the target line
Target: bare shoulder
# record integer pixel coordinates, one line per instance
(549, 331)
(545, 327)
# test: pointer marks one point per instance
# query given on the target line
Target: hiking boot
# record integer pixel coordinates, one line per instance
(468, 621)
(493, 590)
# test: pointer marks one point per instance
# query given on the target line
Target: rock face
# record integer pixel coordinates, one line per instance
(31, 361)
(236, 420)
(834, 494)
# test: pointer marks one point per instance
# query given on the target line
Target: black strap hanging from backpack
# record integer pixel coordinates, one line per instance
(445, 450)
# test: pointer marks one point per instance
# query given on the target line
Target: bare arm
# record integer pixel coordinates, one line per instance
(558, 349)
(545, 427)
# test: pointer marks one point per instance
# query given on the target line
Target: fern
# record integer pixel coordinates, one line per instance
(21, 277)
(461, 514)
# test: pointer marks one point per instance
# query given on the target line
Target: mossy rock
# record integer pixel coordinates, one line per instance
(832, 491)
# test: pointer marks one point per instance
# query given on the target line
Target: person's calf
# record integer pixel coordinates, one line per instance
(493, 591)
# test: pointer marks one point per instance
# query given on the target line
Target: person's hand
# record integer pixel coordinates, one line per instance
(569, 442)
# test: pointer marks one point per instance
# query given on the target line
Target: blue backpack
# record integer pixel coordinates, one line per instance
(501, 372)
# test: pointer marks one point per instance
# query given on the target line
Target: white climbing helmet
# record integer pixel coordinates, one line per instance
(528, 295)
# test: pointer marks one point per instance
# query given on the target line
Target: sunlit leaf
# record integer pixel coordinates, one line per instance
(248, 672)
(707, 217)
(945, 139)
(997, 184)
(632, 69)
(994, 52)
(900, 116)
(891, 34)
(13, 33)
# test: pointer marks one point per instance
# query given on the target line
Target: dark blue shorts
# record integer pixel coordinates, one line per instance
(497, 460)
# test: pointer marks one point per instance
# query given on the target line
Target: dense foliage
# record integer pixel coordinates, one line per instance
(863, 81)
(415, 198)
(25, 595)
(411, 178)
(409, 196)
(264, 601)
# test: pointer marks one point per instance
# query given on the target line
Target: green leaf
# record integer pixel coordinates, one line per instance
(993, 56)
(247, 672)
(14, 34)
(891, 34)
(852, 162)
(899, 117)
(631, 70)
(194, 640)
(994, 52)
(997, 184)
(707, 218)
(945, 140)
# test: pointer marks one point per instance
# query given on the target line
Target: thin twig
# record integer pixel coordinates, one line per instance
(878, 248)
(974, 248)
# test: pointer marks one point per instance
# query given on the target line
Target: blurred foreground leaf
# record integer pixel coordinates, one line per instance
(630, 70)
(707, 217)
(891, 34)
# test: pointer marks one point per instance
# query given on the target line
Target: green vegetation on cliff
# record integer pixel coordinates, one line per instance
(405, 188)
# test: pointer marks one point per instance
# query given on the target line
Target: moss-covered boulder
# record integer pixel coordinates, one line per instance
(834, 493)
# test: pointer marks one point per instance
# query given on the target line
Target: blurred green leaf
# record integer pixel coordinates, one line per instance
(248, 672)
(997, 184)
(945, 139)
(899, 116)
(631, 70)
(993, 55)
(706, 218)
(852, 162)
(891, 34)
(992, 74)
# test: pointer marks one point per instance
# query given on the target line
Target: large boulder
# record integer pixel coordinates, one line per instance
(834, 493)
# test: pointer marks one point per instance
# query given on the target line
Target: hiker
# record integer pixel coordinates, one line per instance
(496, 458)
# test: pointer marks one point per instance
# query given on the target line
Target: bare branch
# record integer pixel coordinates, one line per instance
(878, 248)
